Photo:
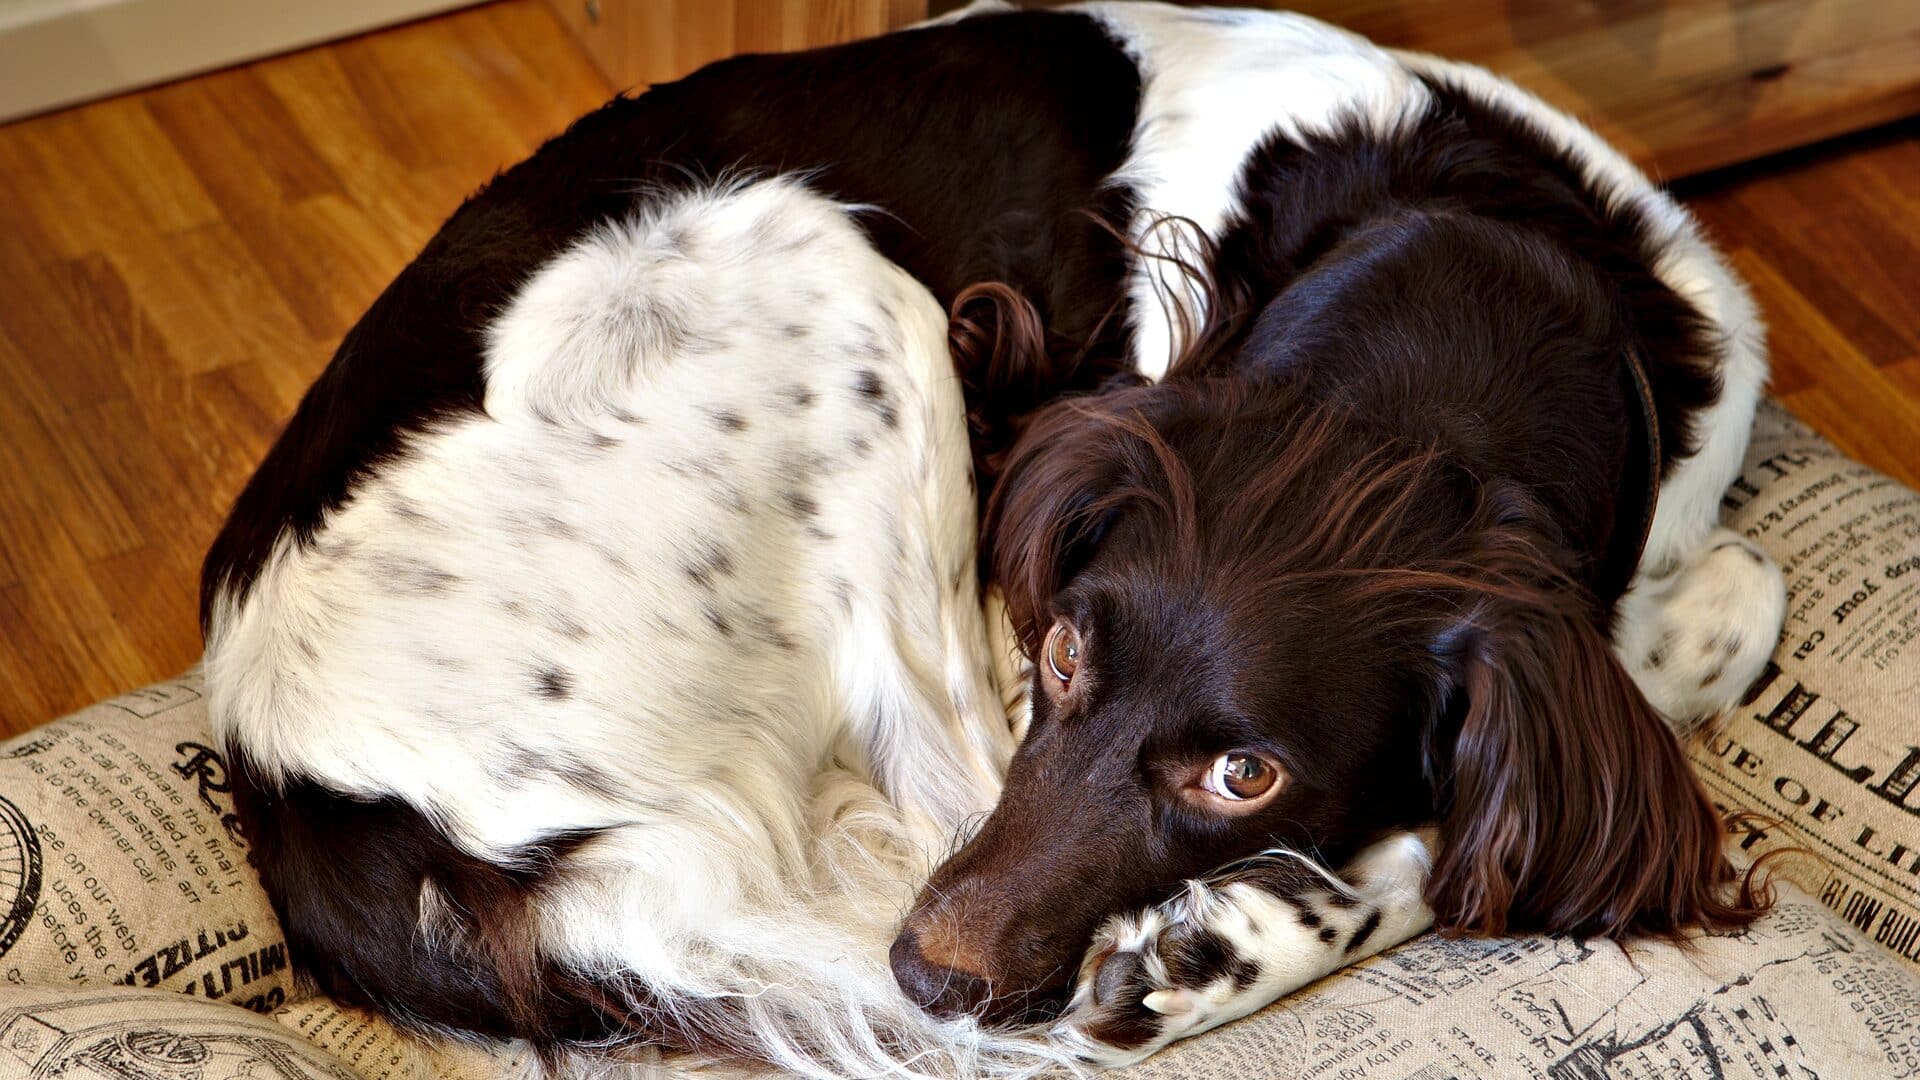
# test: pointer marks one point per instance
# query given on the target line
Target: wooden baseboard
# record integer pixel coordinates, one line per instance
(61, 54)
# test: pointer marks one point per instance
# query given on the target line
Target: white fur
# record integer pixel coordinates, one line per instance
(977, 7)
(1012, 670)
(1216, 83)
(1696, 638)
(775, 755)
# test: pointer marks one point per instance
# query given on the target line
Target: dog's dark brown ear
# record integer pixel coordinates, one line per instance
(1053, 498)
(1077, 464)
(1570, 807)
(999, 344)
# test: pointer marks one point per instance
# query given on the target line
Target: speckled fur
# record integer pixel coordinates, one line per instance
(697, 585)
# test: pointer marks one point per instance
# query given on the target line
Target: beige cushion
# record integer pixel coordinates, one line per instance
(1829, 743)
(123, 888)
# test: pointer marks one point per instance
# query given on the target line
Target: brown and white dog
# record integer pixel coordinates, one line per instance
(599, 646)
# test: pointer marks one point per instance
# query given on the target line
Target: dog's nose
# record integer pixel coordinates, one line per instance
(940, 989)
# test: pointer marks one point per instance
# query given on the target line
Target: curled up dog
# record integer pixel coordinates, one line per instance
(600, 648)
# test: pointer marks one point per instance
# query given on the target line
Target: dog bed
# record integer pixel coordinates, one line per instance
(136, 942)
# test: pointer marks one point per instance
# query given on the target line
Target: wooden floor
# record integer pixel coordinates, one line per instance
(178, 263)
(1829, 239)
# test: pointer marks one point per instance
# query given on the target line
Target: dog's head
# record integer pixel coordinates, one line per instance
(1255, 624)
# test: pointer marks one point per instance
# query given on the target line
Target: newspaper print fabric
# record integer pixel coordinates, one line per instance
(130, 1034)
(1828, 743)
(1799, 994)
(121, 863)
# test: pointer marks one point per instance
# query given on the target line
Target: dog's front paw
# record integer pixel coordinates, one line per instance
(1217, 953)
(1696, 638)
(1156, 977)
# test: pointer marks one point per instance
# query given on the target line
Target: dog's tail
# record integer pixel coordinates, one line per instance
(583, 949)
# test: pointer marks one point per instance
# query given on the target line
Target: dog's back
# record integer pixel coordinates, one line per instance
(977, 144)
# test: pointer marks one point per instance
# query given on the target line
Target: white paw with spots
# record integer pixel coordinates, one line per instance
(1213, 955)
(1696, 638)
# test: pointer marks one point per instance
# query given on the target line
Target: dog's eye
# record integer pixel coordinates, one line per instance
(1063, 652)
(1241, 776)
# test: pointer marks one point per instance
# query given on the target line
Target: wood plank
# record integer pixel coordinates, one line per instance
(210, 302)
(1839, 234)
(55, 164)
(181, 262)
(62, 636)
(636, 43)
(1850, 400)
(1683, 86)
(57, 54)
